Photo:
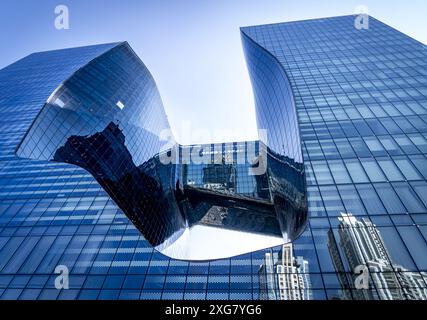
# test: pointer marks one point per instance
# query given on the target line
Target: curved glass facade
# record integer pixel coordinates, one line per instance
(107, 118)
(274, 101)
(276, 114)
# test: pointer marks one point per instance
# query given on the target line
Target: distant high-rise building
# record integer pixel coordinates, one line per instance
(362, 245)
(284, 278)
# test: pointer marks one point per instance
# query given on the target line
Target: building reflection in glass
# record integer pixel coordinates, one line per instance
(360, 244)
(212, 196)
(284, 277)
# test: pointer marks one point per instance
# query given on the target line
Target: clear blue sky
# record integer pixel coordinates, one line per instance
(192, 48)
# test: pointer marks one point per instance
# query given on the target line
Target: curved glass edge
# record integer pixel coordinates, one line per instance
(276, 114)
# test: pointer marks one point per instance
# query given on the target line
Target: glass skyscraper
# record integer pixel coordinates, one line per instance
(345, 111)
(361, 99)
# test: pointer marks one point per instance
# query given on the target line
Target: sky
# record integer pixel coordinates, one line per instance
(192, 47)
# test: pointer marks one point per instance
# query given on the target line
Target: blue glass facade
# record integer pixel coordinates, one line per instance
(346, 109)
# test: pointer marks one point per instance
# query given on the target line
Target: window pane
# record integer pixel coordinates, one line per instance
(378, 111)
(408, 197)
(322, 173)
(407, 169)
(398, 253)
(335, 129)
(360, 147)
(406, 144)
(405, 125)
(329, 149)
(339, 171)
(376, 127)
(339, 114)
(331, 200)
(374, 172)
(315, 204)
(391, 126)
(415, 244)
(391, 146)
(313, 148)
(389, 198)
(352, 112)
(370, 199)
(363, 128)
(344, 148)
(375, 146)
(356, 171)
(421, 190)
(351, 200)
(349, 129)
(418, 124)
(419, 141)
(365, 112)
(390, 169)
(421, 163)
(309, 175)
(321, 241)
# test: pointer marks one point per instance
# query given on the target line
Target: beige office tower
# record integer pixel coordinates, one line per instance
(283, 277)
